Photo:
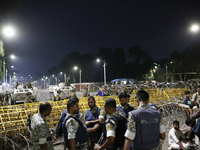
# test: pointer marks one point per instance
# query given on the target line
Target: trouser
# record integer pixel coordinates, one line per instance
(176, 146)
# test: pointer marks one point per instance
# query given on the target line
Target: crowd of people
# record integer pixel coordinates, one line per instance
(114, 127)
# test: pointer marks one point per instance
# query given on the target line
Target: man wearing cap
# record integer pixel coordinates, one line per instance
(28, 98)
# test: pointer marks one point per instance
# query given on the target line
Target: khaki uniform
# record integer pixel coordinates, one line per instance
(73, 94)
(29, 86)
(85, 94)
(5, 102)
(114, 92)
(67, 83)
(28, 100)
(72, 126)
(58, 98)
(40, 132)
(1, 103)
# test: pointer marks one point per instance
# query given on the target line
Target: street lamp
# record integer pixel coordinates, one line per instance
(166, 69)
(4, 66)
(195, 28)
(9, 31)
(104, 66)
(75, 68)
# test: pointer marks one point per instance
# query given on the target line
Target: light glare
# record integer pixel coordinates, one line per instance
(195, 28)
(9, 31)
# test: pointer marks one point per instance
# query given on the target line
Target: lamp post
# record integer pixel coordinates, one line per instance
(104, 66)
(75, 68)
(4, 67)
(166, 69)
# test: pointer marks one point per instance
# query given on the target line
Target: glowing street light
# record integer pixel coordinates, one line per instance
(76, 68)
(166, 68)
(9, 31)
(104, 66)
(195, 28)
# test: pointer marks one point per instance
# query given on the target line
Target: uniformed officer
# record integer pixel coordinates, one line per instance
(119, 82)
(124, 89)
(128, 82)
(29, 85)
(124, 108)
(6, 99)
(145, 127)
(1, 100)
(85, 93)
(17, 84)
(91, 119)
(75, 132)
(111, 125)
(114, 91)
(42, 139)
(67, 83)
(58, 98)
(28, 98)
(73, 93)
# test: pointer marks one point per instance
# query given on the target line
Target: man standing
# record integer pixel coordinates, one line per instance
(58, 98)
(1, 100)
(196, 96)
(41, 135)
(113, 127)
(75, 132)
(124, 108)
(114, 91)
(85, 93)
(145, 125)
(92, 119)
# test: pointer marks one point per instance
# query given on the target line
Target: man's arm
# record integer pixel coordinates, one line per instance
(92, 121)
(162, 129)
(96, 126)
(194, 115)
(108, 142)
(72, 144)
(127, 144)
(162, 136)
(180, 145)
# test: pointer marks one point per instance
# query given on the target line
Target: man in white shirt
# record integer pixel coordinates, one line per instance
(177, 139)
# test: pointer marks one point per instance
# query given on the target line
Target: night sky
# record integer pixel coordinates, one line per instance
(48, 29)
